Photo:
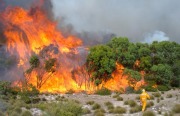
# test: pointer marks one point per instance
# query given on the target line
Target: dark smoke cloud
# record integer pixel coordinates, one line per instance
(132, 18)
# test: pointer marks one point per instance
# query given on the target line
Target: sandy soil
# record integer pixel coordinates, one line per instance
(164, 105)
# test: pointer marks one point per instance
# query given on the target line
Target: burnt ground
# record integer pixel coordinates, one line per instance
(164, 106)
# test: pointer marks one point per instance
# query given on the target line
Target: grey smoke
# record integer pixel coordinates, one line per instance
(131, 18)
(156, 36)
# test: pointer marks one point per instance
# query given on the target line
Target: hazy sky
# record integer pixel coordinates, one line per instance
(136, 19)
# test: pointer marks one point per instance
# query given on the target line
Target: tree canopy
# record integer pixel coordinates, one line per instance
(159, 60)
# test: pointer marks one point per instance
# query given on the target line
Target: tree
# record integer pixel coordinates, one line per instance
(100, 63)
(162, 74)
(125, 51)
(43, 70)
(133, 77)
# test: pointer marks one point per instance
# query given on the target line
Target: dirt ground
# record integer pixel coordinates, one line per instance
(164, 105)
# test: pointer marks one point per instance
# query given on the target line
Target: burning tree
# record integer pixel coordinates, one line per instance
(133, 77)
(43, 66)
(100, 63)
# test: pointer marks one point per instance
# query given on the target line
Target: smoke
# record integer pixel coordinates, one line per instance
(156, 36)
(130, 18)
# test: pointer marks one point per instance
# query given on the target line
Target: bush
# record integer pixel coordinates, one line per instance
(162, 98)
(157, 94)
(135, 109)
(98, 114)
(1, 113)
(148, 113)
(119, 98)
(116, 95)
(26, 113)
(90, 102)
(26, 99)
(103, 91)
(151, 97)
(109, 105)
(100, 110)
(126, 102)
(62, 108)
(137, 98)
(96, 106)
(70, 91)
(149, 104)
(158, 100)
(150, 88)
(86, 111)
(129, 89)
(176, 108)
(162, 88)
(138, 91)
(132, 103)
(118, 110)
(18, 110)
(169, 96)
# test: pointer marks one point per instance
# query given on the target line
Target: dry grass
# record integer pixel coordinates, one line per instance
(148, 113)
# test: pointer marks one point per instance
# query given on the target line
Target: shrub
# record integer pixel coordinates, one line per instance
(137, 98)
(151, 97)
(35, 100)
(26, 99)
(119, 98)
(149, 104)
(150, 88)
(126, 102)
(158, 100)
(96, 106)
(176, 108)
(162, 88)
(98, 114)
(132, 103)
(86, 111)
(118, 110)
(109, 105)
(103, 91)
(148, 113)
(162, 98)
(1, 113)
(90, 102)
(14, 114)
(18, 110)
(135, 109)
(169, 96)
(129, 89)
(100, 110)
(138, 91)
(26, 113)
(70, 91)
(157, 94)
(116, 95)
(62, 108)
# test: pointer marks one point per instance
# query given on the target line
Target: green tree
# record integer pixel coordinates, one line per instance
(44, 69)
(162, 74)
(100, 63)
(133, 77)
(125, 51)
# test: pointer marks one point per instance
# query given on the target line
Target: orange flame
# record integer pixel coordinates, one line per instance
(29, 31)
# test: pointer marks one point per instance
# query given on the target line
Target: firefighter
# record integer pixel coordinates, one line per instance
(143, 97)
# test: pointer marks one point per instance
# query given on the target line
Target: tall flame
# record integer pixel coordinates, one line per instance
(30, 31)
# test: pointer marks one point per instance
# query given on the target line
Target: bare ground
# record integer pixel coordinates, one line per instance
(164, 106)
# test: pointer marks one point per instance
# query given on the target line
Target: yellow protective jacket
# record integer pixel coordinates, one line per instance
(144, 96)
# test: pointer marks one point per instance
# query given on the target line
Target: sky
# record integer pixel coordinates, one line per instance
(139, 20)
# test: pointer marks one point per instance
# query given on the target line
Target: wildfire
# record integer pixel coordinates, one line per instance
(30, 31)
